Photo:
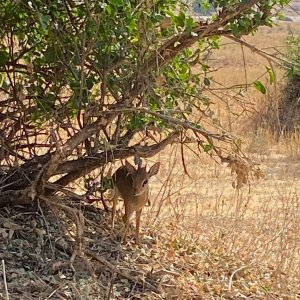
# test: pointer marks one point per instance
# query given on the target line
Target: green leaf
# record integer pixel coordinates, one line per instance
(44, 20)
(117, 2)
(204, 67)
(205, 5)
(50, 55)
(91, 27)
(109, 9)
(75, 85)
(272, 75)
(206, 81)
(180, 19)
(207, 147)
(137, 121)
(4, 58)
(214, 42)
(190, 24)
(90, 83)
(259, 86)
(281, 16)
(235, 30)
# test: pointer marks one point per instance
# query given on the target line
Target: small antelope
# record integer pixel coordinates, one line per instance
(132, 185)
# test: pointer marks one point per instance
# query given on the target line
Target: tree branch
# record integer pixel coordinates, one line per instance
(178, 43)
(164, 116)
(82, 166)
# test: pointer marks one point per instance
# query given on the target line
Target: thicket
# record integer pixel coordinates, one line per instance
(85, 83)
(289, 107)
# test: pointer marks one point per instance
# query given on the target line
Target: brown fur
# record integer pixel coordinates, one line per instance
(132, 185)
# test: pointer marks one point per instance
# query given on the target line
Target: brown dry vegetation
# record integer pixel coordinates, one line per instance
(202, 239)
(224, 243)
(237, 244)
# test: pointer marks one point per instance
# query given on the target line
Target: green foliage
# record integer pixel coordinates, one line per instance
(289, 107)
(259, 86)
(4, 58)
(294, 54)
(272, 75)
(67, 62)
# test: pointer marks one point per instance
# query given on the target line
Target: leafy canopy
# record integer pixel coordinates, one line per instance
(91, 74)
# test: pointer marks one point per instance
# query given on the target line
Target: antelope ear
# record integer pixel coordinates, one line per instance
(129, 167)
(154, 169)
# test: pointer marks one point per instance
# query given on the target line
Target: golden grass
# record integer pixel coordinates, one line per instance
(230, 243)
(233, 244)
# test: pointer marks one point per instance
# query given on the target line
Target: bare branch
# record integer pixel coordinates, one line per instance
(162, 115)
(83, 166)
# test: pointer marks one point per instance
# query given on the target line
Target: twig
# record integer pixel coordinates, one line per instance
(113, 277)
(164, 116)
(53, 292)
(234, 272)
(183, 159)
(76, 216)
(58, 295)
(268, 56)
(4, 279)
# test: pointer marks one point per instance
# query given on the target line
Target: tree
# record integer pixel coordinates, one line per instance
(84, 83)
(289, 104)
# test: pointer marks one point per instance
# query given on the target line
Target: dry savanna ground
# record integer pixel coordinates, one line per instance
(202, 239)
(247, 241)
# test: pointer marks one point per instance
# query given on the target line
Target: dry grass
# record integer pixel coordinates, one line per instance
(229, 244)
(238, 66)
(235, 244)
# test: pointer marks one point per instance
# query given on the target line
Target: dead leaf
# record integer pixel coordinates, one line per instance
(11, 225)
(4, 233)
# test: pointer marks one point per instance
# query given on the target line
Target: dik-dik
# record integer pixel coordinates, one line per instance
(132, 185)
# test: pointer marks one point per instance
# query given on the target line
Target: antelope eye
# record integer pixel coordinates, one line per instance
(145, 182)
